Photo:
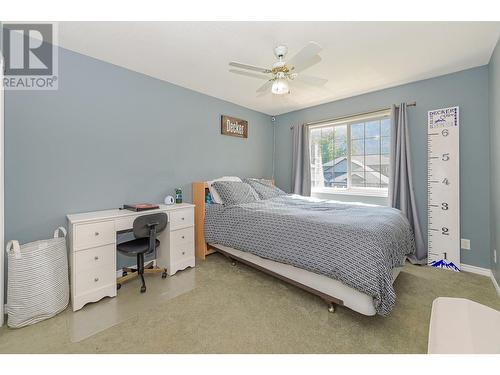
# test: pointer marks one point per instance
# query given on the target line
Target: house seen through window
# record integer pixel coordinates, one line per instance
(351, 156)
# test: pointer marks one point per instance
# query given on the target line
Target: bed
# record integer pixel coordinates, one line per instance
(347, 254)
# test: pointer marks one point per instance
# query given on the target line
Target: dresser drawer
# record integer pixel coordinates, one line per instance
(181, 236)
(182, 252)
(93, 278)
(127, 223)
(94, 234)
(103, 256)
(181, 218)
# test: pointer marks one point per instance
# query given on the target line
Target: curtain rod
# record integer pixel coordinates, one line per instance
(412, 104)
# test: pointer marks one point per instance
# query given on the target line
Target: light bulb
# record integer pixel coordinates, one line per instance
(280, 87)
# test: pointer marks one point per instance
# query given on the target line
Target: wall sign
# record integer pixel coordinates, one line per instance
(443, 184)
(234, 127)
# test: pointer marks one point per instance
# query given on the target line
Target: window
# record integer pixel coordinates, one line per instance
(351, 155)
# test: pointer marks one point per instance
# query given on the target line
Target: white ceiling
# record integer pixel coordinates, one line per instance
(357, 57)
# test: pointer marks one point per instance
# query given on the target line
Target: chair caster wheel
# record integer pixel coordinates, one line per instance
(118, 286)
(143, 289)
(331, 309)
(164, 275)
(233, 263)
(124, 273)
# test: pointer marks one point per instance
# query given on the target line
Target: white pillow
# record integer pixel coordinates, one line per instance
(215, 196)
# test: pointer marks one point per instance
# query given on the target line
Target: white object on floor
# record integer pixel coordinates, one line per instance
(37, 288)
(459, 326)
(353, 299)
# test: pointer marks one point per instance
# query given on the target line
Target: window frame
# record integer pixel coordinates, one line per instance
(349, 121)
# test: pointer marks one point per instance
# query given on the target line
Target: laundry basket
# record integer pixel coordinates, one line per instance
(38, 285)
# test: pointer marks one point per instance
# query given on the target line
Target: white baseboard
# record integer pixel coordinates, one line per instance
(481, 271)
(474, 269)
(495, 284)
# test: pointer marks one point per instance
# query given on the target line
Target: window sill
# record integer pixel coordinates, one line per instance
(353, 192)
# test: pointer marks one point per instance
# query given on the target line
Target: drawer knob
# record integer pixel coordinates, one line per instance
(96, 258)
(96, 233)
(183, 253)
(96, 279)
(182, 218)
(182, 237)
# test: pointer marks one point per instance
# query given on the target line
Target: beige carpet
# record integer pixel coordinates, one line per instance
(236, 309)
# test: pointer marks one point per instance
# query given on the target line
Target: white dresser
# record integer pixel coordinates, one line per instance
(92, 243)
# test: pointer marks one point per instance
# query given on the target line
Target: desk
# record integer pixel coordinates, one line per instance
(92, 244)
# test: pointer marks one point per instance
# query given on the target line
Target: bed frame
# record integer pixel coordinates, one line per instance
(202, 249)
(330, 300)
(329, 290)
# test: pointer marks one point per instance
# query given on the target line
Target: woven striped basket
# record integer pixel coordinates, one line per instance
(38, 284)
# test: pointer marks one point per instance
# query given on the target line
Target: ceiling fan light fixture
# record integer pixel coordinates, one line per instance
(280, 87)
(283, 72)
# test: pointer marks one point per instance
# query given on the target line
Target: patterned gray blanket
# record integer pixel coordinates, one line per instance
(356, 244)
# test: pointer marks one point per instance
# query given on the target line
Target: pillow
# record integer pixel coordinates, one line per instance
(215, 196)
(262, 181)
(233, 192)
(264, 188)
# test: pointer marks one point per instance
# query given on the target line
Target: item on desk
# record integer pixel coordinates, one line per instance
(140, 207)
(169, 200)
(178, 195)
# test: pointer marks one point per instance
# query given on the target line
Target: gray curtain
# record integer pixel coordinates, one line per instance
(401, 193)
(301, 164)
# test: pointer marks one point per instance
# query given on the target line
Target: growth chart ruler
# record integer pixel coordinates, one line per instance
(443, 186)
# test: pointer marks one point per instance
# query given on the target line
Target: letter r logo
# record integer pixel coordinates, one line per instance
(28, 49)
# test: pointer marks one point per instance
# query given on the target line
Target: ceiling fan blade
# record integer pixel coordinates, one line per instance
(314, 60)
(311, 80)
(249, 67)
(265, 87)
(303, 57)
(249, 74)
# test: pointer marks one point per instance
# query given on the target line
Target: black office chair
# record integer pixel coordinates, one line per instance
(145, 228)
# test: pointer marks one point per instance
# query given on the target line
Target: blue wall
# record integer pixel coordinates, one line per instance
(467, 89)
(110, 136)
(494, 70)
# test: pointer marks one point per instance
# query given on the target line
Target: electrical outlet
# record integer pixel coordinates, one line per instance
(495, 255)
(465, 244)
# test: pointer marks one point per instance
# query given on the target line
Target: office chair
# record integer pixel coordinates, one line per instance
(145, 229)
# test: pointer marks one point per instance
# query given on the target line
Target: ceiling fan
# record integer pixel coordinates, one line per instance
(283, 72)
